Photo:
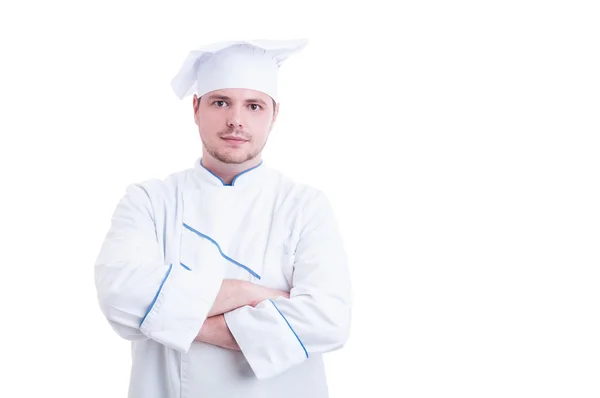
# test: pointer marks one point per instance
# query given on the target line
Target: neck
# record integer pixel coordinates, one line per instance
(228, 171)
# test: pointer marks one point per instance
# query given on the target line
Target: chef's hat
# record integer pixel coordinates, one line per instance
(249, 64)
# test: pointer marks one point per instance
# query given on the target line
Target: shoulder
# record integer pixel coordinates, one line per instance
(157, 189)
(299, 193)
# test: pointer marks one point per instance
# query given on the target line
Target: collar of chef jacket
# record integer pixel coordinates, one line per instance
(246, 178)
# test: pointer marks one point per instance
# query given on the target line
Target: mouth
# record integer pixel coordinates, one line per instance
(234, 140)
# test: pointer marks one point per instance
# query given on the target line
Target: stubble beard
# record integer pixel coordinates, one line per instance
(234, 156)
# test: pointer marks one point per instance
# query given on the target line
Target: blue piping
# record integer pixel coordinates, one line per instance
(221, 251)
(185, 266)
(290, 326)
(244, 172)
(156, 295)
(235, 178)
(222, 182)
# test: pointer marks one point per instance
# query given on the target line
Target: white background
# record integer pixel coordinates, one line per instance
(458, 142)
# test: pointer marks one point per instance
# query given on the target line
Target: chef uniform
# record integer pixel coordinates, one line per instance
(173, 241)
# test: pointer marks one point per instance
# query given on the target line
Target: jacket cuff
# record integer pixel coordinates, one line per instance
(265, 337)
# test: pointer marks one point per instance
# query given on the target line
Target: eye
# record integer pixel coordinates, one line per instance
(220, 104)
(255, 107)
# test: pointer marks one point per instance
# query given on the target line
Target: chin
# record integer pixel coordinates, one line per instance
(233, 158)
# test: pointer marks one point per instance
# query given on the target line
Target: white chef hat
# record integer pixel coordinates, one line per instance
(251, 64)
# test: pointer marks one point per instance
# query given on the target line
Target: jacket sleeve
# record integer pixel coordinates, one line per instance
(141, 295)
(278, 334)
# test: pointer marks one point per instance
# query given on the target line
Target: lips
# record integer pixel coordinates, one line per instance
(235, 142)
(234, 139)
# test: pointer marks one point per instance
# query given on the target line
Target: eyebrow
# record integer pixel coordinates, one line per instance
(216, 97)
(256, 100)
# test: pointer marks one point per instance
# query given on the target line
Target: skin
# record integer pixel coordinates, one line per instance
(236, 113)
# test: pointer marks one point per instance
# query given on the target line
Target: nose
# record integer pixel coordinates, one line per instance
(234, 119)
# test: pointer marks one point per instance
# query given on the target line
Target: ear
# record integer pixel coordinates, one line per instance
(275, 113)
(196, 106)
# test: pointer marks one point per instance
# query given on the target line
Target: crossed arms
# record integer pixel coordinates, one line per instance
(145, 298)
(232, 295)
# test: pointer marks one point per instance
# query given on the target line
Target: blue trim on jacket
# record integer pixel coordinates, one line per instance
(235, 178)
(290, 326)
(185, 266)
(156, 295)
(221, 251)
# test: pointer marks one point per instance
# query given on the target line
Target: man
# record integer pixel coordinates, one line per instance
(229, 279)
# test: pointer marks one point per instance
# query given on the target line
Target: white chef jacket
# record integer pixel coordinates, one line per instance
(171, 243)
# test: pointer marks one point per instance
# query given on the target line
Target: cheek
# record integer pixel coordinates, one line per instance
(209, 124)
(260, 127)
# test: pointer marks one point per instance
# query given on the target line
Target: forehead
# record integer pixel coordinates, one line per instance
(239, 94)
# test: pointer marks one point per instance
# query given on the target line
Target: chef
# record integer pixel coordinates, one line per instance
(228, 278)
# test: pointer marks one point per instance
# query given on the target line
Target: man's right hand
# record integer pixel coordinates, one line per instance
(261, 293)
(235, 293)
